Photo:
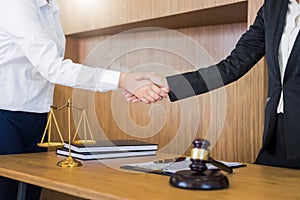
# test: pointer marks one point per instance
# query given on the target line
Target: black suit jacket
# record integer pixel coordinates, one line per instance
(262, 39)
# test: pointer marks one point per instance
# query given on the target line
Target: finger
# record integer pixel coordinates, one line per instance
(159, 91)
(149, 98)
(133, 99)
(136, 100)
(144, 76)
(154, 95)
(126, 92)
(165, 89)
(160, 81)
(156, 89)
(128, 95)
(145, 100)
(163, 94)
(141, 86)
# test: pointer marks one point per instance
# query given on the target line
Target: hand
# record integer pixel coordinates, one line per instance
(144, 87)
(130, 97)
(160, 82)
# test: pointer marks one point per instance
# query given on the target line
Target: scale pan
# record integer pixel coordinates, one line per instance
(51, 144)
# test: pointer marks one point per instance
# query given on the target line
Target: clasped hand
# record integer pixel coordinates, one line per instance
(143, 87)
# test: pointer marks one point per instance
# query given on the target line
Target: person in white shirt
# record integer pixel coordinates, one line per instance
(275, 35)
(32, 46)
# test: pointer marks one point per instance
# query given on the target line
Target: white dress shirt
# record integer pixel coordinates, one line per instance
(32, 45)
(291, 30)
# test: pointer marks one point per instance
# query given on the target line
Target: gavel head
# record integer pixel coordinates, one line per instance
(199, 155)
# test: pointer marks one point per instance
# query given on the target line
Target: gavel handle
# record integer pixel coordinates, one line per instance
(220, 165)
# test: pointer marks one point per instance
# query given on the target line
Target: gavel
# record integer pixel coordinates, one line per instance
(200, 156)
(199, 177)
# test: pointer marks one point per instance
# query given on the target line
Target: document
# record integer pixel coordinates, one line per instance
(169, 168)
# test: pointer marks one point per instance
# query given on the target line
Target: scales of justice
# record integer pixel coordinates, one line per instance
(69, 161)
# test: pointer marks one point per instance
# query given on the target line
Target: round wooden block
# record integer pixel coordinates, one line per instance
(207, 180)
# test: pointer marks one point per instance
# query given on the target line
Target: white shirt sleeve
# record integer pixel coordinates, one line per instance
(42, 52)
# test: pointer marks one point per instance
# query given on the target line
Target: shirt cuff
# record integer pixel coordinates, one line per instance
(108, 80)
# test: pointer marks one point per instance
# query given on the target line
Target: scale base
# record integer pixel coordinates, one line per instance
(207, 180)
(69, 162)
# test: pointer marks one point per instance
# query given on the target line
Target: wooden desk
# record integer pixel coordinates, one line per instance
(97, 181)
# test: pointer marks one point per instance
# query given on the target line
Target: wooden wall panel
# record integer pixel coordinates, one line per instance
(95, 14)
(244, 107)
(259, 90)
(240, 126)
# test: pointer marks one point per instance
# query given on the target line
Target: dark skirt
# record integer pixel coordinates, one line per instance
(19, 133)
(276, 154)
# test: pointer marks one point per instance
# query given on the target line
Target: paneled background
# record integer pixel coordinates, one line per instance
(231, 117)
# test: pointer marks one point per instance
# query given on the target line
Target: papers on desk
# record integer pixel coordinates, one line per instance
(171, 168)
(105, 155)
(104, 149)
(112, 146)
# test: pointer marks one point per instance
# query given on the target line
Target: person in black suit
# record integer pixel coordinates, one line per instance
(274, 34)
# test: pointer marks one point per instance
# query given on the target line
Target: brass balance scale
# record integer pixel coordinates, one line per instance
(69, 161)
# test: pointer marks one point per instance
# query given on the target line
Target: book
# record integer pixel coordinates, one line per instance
(113, 146)
(103, 155)
(172, 167)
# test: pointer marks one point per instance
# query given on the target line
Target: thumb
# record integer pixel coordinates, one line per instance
(160, 81)
(144, 76)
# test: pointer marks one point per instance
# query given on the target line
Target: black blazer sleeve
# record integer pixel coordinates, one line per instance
(248, 51)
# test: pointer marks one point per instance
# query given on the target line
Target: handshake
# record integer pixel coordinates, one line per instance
(143, 87)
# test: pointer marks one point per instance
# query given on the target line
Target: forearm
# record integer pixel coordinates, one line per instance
(249, 50)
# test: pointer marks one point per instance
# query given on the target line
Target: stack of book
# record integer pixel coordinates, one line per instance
(109, 149)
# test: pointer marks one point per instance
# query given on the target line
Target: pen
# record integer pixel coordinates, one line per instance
(170, 160)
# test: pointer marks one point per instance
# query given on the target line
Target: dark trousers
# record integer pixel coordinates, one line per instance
(19, 133)
(275, 154)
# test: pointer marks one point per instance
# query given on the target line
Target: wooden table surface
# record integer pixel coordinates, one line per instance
(97, 180)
